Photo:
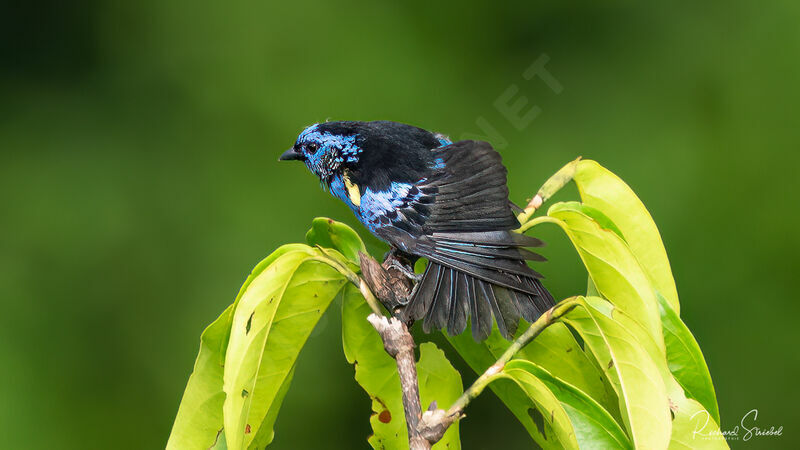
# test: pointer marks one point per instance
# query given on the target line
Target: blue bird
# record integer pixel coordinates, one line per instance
(448, 202)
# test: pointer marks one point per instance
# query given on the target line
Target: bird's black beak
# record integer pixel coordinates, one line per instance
(291, 154)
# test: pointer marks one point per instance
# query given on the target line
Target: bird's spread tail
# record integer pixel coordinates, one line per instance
(445, 298)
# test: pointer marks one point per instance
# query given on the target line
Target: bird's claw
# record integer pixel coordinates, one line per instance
(396, 260)
(405, 270)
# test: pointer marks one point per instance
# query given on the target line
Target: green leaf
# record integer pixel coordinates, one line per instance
(479, 357)
(591, 289)
(329, 233)
(685, 360)
(199, 422)
(555, 350)
(630, 367)
(694, 428)
(616, 273)
(688, 414)
(272, 320)
(601, 189)
(266, 433)
(376, 372)
(221, 443)
(556, 431)
(589, 424)
(439, 381)
(598, 216)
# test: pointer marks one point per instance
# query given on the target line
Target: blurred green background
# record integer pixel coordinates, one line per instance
(140, 183)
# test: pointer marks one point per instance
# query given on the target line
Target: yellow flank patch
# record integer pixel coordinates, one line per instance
(352, 189)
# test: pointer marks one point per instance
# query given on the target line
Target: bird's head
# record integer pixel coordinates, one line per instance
(377, 152)
(325, 149)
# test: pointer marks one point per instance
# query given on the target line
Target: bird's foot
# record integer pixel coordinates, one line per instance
(394, 259)
(407, 271)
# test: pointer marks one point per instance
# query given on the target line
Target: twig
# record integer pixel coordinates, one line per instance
(548, 189)
(399, 344)
(397, 341)
(436, 421)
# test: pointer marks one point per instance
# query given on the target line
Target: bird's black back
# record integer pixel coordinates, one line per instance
(392, 151)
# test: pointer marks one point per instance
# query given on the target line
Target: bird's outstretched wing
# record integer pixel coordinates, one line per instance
(460, 219)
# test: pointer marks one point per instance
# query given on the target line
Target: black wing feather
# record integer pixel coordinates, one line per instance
(457, 322)
(482, 320)
(462, 223)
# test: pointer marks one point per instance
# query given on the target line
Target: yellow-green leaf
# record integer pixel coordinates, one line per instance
(272, 320)
(693, 427)
(601, 189)
(555, 350)
(199, 422)
(642, 394)
(685, 360)
(332, 234)
(688, 415)
(479, 356)
(589, 424)
(615, 272)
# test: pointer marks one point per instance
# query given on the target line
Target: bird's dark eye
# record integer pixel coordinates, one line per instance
(311, 147)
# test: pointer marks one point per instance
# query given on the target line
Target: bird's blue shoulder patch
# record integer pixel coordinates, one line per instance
(380, 208)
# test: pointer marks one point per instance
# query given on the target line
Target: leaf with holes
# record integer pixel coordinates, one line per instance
(271, 322)
(199, 422)
(555, 350)
(376, 372)
(588, 424)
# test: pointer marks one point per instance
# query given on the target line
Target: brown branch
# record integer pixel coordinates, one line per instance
(392, 289)
(399, 344)
(390, 285)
